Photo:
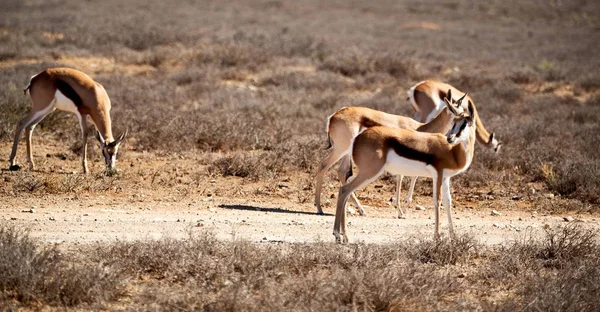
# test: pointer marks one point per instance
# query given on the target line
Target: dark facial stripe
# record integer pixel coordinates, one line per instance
(69, 92)
(409, 153)
(462, 127)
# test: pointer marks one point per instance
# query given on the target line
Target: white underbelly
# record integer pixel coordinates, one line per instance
(398, 165)
(64, 103)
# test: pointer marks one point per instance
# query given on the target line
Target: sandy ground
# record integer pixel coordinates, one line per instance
(89, 219)
(235, 208)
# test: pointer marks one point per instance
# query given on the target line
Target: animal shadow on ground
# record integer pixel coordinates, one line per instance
(277, 210)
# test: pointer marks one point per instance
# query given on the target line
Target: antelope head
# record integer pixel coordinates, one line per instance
(461, 120)
(109, 150)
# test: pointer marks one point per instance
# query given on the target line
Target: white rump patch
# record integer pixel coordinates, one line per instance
(398, 165)
(64, 103)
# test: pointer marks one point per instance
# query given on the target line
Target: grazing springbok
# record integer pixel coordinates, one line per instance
(412, 153)
(348, 122)
(68, 90)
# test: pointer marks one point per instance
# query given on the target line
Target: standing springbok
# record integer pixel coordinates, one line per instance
(348, 122)
(412, 153)
(427, 98)
(68, 90)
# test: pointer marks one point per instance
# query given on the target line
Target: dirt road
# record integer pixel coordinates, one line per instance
(60, 219)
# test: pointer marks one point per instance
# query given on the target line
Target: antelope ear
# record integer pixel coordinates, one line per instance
(99, 137)
(449, 95)
(123, 136)
(120, 138)
(491, 139)
(471, 109)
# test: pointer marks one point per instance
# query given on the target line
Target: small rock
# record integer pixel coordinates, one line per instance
(495, 213)
(532, 190)
(461, 275)
(207, 199)
(52, 219)
(498, 225)
(516, 197)
(550, 196)
(419, 207)
(213, 181)
(29, 210)
(199, 224)
(13, 218)
(569, 219)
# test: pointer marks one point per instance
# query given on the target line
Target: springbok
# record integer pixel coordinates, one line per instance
(412, 153)
(68, 90)
(348, 122)
(427, 98)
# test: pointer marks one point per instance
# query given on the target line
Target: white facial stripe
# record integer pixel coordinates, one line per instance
(64, 103)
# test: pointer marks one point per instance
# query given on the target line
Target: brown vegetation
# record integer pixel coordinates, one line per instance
(556, 272)
(181, 77)
(246, 86)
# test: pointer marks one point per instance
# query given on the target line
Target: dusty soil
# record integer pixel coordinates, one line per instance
(236, 208)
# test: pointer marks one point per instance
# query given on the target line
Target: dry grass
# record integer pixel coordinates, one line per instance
(33, 275)
(258, 90)
(556, 272)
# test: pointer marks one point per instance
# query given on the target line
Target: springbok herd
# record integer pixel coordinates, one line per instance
(438, 143)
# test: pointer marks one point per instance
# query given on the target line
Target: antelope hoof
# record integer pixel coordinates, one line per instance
(351, 210)
(16, 167)
(338, 238)
(402, 217)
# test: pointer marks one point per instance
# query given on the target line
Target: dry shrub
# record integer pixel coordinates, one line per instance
(445, 250)
(32, 274)
(558, 272)
(567, 244)
(240, 275)
(245, 165)
(574, 288)
(360, 63)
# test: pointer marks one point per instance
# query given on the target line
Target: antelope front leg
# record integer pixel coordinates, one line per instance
(447, 199)
(84, 134)
(397, 197)
(437, 183)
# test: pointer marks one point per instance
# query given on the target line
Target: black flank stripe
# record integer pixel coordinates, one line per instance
(410, 153)
(69, 92)
(368, 123)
